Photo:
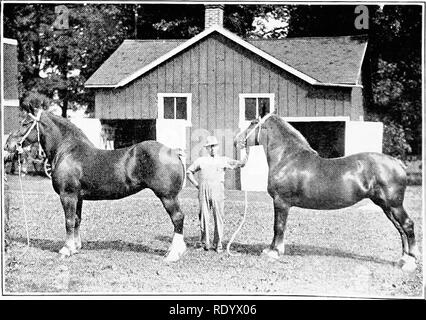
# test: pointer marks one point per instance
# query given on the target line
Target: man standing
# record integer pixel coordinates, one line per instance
(211, 193)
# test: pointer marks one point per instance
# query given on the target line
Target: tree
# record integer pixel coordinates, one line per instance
(51, 60)
(60, 61)
(394, 58)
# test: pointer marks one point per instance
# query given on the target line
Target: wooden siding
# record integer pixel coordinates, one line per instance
(10, 72)
(216, 70)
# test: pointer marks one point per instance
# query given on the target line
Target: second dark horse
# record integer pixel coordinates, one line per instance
(299, 177)
(82, 172)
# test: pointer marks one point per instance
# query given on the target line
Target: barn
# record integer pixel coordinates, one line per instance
(10, 99)
(180, 91)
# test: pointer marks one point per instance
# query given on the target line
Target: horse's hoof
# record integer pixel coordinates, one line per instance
(408, 263)
(173, 256)
(271, 253)
(66, 252)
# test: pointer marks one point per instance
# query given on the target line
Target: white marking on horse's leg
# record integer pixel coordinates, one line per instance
(65, 252)
(177, 248)
(77, 239)
(69, 248)
(409, 263)
(281, 248)
(271, 253)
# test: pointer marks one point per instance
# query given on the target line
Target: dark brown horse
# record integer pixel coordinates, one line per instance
(299, 177)
(82, 172)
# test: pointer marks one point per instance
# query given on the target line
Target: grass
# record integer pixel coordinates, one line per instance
(350, 252)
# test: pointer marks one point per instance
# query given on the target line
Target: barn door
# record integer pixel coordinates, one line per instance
(254, 176)
(174, 116)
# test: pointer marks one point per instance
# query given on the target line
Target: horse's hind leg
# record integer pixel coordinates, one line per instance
(178, 246)
(405, 226)
(280, 219)
(69, 204)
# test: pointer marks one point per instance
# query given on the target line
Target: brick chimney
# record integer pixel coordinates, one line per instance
(213, 15)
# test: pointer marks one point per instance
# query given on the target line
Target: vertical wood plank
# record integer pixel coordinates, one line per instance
(320, 102)
(292, 100)
(186, 72)
(177, 64)
(237, 85)
(329, 103)
(264, 79)
(283, 110)
(212, 83)
(347, 103)
(203, 106)
(340, 97)
(203, 62)
(301, 101)
(310, 101)
(139, 101)
(247, 68)
(255, 77)
(274, 88)
(169, 77)
(229, 64)
(145, 93)
(150, 102)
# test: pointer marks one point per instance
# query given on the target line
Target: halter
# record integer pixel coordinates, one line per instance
(36, 120)
(258, 125)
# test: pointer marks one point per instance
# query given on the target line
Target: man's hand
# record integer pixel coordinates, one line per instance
(191, 178)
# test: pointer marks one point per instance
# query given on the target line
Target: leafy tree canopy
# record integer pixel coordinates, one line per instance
(56, 63)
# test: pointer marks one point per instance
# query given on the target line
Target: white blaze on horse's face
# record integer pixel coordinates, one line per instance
(25, 135)
(251, 133)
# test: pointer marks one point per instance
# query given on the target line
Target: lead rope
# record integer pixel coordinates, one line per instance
(23, 202)
(259, 124)
(228, 246)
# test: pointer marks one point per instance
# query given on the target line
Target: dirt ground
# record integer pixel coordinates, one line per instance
(351, 252)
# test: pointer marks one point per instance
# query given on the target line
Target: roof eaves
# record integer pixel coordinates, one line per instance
(165, 57)
(9, 41)
(94, 85)
(343, 85)
(226, 34)
(358, 77)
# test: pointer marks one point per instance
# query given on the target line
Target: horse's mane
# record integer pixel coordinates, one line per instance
(289, 132)
(69, 128)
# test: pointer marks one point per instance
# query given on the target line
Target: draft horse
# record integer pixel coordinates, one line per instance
(80, 172)
(299, 177)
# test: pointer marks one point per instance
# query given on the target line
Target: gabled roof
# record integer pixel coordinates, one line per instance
(333, 61)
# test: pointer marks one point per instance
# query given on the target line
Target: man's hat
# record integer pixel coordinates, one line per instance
(211, 141)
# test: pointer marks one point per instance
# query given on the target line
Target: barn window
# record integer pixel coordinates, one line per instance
(174, 106)
(255, 105)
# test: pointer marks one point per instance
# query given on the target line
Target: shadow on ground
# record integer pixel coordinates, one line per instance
(247, 249)
(118, 245)
(291, 250)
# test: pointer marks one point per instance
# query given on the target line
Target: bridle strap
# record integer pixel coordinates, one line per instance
(257, 139)
(36, 120)
(258, 125)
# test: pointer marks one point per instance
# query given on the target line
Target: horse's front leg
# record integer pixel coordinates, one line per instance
(178, 246)
(69, 203)
(77, 237)
(277, 247)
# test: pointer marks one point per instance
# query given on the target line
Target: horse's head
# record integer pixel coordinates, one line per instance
(25, 135)
(251, 136)
(247, 137)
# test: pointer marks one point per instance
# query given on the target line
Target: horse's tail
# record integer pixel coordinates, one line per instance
(182, 157)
